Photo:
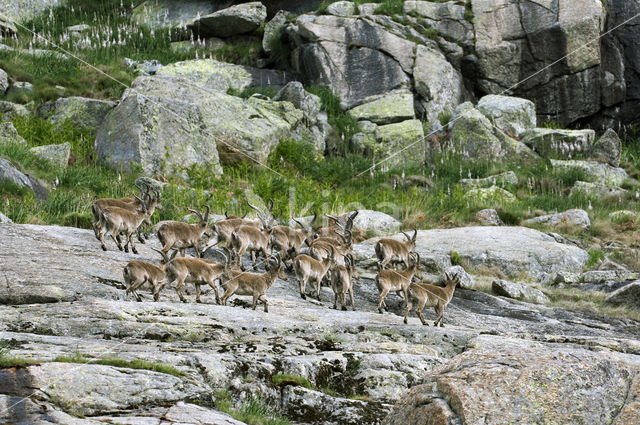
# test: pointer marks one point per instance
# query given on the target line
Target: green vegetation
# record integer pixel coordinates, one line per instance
(7, 361)
(247, 92)
(117, 362)
(595, 256)
(455, 257)
(283, 379)
(468, 13)
(342, 122)
(244, 53)
(253, 411)
(588, 301)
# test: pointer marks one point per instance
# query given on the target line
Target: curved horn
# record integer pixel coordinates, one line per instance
(206, 214)
(144, 204)
(406, 236)
(415, 235)
(354, 214)
(226, 215)
(271, 205)
(197, 213)
(245, 214)
(334, 218)
(300, 224)
(258, 210)
(344, 239)
(157, 193)
(165, 259)
(221, 250)
(313, 220)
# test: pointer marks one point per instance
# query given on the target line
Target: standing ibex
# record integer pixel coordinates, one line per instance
(342, 282)
(308, 268)
(116, 220)
(288, 241)
(136, 273)
(252, 239)
(425, 295)
(388, 250)
(319, 248)
(397, 281)
(344, 222)
(192, 270)
(254, 284)
(179, 235)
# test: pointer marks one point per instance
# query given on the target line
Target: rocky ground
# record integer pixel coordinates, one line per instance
(498, 360)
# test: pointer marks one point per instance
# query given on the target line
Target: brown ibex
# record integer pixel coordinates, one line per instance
(192, 270)
(254, 284)
(252, 239)
(397, 281)
(343, 222)
(117, 220)
(288, 241)
(136, 273)
(179, 235)
(388, 250)
(342, 282)
(425, 295)
(308, 268)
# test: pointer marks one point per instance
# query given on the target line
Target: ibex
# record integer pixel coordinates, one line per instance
(388, 250)
(425, 295)
(288, 241)
(344, 222)
(116, 220)
(192, 270)
(225, 227)
(319, 248)
(178, 235)
(136, 273)
(254, 284)
(252, 239)
(342, 282)
(131, 204)
(397, 281)
(308, 268)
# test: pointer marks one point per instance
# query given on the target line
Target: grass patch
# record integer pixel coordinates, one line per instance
(7, 361)
(247, 92)
(595, 257)
(283, 379)
(253, 411)
(389, 7)
(243, 53)
(588, 301)
(342, 122)
(117, 362)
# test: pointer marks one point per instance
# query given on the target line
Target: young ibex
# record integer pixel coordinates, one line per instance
(178, 235)
(252, 239)
(116, 220)
(192, 270)
(307, 268)
(388, 250)
(342, 282)
(425, 295)
(397, 281)
(136, 273)
(289, 241)
(254, 284)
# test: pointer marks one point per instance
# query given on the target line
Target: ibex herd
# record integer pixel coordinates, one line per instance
(328, 259)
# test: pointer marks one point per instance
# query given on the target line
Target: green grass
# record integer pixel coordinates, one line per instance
(117, 362)
(283, 379)
(389, 7)
(250, 91)
(595, 256)
(253, 411)
(245, 53)
(342, 122)
(7, 361)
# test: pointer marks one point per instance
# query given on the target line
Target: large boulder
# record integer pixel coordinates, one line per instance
(404, 139)
(446, 17)
(4, 82)
(596, 190)
(9, 134)
(341, 8)
(550, 384)
(594, 171)
(513, 115)
(174, 14)
(628, 295)
(308, 103)
(23, 10)
(165, 124)
(489, 217)
(8, 110)
(10, 174)
(81, 112)
(519, 291)
(508, 177)
(576, 217)
(475, 137)
(55, 154)
(376, 223)
(239, 19)
(554, 143)
(222, 76)
(347, 54)
(489, 196)
(386, 109)
(513, 250)
(607, 149)
(437, 82)
(515, 39)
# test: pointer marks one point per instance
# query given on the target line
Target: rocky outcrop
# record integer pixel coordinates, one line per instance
(595, 172)
(9, 134)
(547, 381)
(357, 363)
(10, 174)
(508, 177)
(9, 110)
(515, 39)
(448, 18)
(239, 19)
(489, 196)
(165, 124)
(576, 218)
(560, 144)
(23, 10)
(607, 149)
(341, 8)
(513, 250)
(598, 190)
(79, 111)
(4, 82)
(489, 217)
(391, 107)
(512, 115)
(518, 291)
(376, 223)
(167, 13)
(55, 154)
(629, 295)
